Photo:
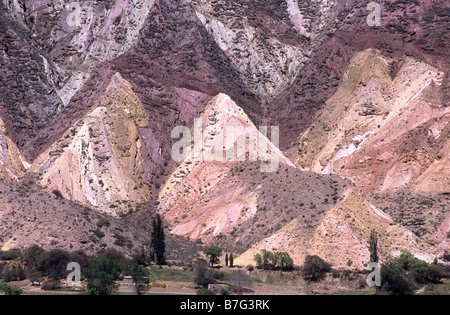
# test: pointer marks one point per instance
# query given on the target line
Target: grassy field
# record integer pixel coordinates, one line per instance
(161, 274)
(438, 289)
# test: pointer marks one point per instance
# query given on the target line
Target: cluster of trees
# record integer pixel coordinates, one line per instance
(213, 252)
(268, 260)
(10, 290)
(101, 273)
(48, 268)
(406, 273)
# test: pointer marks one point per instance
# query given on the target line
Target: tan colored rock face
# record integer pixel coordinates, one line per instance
(363, 131)
(184, 188)
(12, 164)
(98, 162)
(342, 237)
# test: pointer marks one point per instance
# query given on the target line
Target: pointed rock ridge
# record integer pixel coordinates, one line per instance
(342, 236)
(98, 161)
(218, 135)
(214, 153)
(366, 130)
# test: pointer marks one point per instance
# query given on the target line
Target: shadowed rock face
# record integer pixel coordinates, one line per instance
(363, 114)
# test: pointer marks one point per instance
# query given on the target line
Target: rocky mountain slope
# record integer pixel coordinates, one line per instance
(90, 93)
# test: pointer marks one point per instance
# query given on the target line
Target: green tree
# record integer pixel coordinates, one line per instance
(224, 291)
(226, 259)
(417, 268)
(158, 241)
(54, 263)
(285, 261)
(203, 291)
(34, 276)
(394, 280)
(32, 256)
(373, 246)
(258, 259)
(315, 268)
(101, 275)
(213, 252)
(231, 260)
(10, 290)
(267, 259)
(140, 274)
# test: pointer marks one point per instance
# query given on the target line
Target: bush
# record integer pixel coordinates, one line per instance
(315, 268)
(16, 273)
(414, 266)
(120, 240)
(103, 222)
(33, 256)
(99, 233)
(54, 263)
(219, 275)
(203, 275)
(57, 193)
(239, 280)
(50, 285)
(10, 290)
(204, 292)
(224, 291)
(12, 254)
(435, 274)
(394, 280)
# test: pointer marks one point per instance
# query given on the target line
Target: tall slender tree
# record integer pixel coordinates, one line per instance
(158, 241)
(373, 246)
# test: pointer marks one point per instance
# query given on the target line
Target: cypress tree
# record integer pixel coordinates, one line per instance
(231, 260)
(226, 259)
(158, 240)
(373, 246)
